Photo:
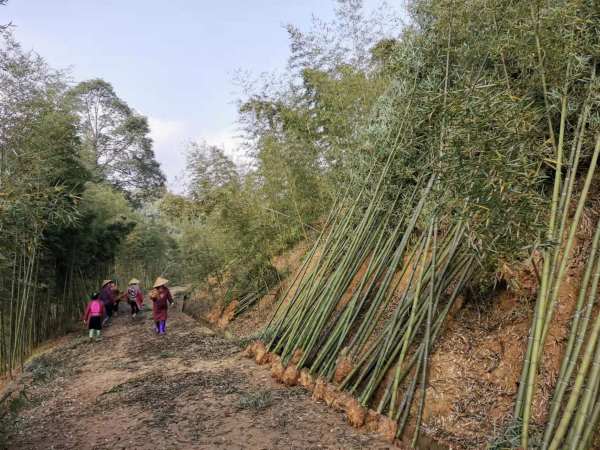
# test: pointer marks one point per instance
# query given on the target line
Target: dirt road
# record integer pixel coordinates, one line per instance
(190, 389)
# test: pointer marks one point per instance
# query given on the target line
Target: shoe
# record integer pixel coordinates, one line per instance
(133, 315)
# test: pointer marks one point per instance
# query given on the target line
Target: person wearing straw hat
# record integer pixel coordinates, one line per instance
(135, 297)
(161, 299)
(107, 295)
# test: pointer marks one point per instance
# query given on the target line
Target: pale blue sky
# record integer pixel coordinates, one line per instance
(172, 60)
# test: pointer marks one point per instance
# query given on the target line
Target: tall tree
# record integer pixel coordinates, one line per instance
(116, 140)
(210, 173)
(345, 40)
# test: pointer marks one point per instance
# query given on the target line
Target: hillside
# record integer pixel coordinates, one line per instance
(475, 367)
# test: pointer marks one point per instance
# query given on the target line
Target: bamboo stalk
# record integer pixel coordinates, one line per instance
(427, 341)
(574, 396)
(576, 338)
(541, 304)
(571, 239)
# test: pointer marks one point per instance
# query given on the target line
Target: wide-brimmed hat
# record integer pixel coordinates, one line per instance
(105, 282)
(160, 281)
(134, 281)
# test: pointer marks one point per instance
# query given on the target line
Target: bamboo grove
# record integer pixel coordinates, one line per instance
(62, 223)
(482, 150)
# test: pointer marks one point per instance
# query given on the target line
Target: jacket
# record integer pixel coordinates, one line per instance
(94, 308)
(161, 299)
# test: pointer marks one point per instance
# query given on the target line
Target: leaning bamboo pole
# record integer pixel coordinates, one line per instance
(537, 331)
(576, 338)
(572, 404)
(548, 296)
(426, 341)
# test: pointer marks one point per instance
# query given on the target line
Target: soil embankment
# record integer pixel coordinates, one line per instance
(190, 389)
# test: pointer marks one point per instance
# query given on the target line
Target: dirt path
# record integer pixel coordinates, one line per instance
(189, 389)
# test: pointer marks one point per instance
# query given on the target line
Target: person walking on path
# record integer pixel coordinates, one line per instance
(135, 297)
(118, 296)
(161, 299)
(107, 295)
(94, 313)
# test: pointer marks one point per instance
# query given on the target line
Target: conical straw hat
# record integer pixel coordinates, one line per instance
(105, 282)
(160, 281)
(134, 281)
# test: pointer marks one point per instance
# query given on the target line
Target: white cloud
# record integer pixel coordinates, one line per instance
(229, 141)
(165, 130)
(171, 138)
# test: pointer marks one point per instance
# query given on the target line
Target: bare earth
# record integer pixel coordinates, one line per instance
(190, 389)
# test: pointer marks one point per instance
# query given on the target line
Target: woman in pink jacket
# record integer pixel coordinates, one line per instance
(94, 315)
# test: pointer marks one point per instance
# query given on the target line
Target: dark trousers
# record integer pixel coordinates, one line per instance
(95, 323)
(160, 326)
(134, 307)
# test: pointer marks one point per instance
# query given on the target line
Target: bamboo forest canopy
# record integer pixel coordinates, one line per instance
(455, 89)
(466, 92)
(458, 93)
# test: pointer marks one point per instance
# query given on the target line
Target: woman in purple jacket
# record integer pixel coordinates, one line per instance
(107, 295)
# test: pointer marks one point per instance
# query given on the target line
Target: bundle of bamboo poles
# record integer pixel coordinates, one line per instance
(375, 290)
(248, 300)
(567, 416)
(575, 415)
(373, 295)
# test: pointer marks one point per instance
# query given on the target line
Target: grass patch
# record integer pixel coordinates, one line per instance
(256, 401)
(244, 341)
(18, 403)
(10, 409)
(510, 437)
(43, 369)
(77, 342)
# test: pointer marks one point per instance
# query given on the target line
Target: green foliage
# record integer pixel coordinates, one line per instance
(482, 129)
(223, 231)
(116, 142)
(307, 135)
(211, 175)
(147, 251)
(62, 222)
